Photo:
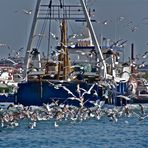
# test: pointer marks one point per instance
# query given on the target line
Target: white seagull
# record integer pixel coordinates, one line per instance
(124, 97)
(69, 92)
(89, 91)
(28, 12)
(145, 55)
(4, 45)
(55, 124)
(54, 36)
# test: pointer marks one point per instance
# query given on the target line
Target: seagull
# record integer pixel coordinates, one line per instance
(20, 49)
(28, 12)
(73, 36)
(98, 103)
(145, 55)
(10, 106)
(39, 35)
(54, 36)
(63, 45)
(89, 91)
(140, 117)
(126, 122)
(124, 97)
(4, 45)
(105, 22)
(105, 95)
(73, 46)
(115, 43)
(57, 52)
(134, 28)
(55, 124)
(121, 18)
(142, 109)
(69, 92)
(47, 107)
(112, 115)
(80, 99)
(142, 64)
(126, 110)
(122, 44)
(32, 125)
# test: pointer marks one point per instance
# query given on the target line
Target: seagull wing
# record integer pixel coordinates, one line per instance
(69, 92)
(74, 98)
(124, 97)
(90, 88)
(145, 116)
(102, 103)
(137, 114)
(83, 89)
(27, 11)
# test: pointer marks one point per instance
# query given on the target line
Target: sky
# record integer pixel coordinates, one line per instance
(125, 19)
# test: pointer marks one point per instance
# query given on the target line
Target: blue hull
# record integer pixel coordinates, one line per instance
(37, 93)
(9, 98)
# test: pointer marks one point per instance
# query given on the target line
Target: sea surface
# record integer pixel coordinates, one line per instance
(128, 132)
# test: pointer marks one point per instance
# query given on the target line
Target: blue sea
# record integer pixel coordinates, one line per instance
(92, 133)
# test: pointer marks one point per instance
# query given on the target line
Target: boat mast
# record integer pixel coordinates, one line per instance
(26, 62)
(63, 67)
(94, 38)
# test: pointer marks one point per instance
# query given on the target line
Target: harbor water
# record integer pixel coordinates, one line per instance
(128, 132)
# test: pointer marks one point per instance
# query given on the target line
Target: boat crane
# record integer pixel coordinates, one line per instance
(37, 16)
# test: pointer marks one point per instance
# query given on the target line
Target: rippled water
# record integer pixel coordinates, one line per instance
(127, 132)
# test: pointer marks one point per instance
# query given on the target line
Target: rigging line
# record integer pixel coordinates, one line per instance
(63, 2)
(71, 27)
(41, 32)
(91, 3)
(44, 26)
(64, 10)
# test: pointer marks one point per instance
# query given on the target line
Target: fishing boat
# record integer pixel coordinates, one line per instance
(78, 74)
(10, 75)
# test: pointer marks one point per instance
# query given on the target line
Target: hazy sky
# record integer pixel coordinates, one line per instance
(132, 26)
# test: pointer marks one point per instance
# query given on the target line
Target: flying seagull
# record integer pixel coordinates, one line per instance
(28, 12)
(145, 55)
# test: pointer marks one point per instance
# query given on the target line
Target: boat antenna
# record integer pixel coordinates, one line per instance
(99, 52)
(61, 5)
(26, 63)
(50, 3)
(49, 29)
